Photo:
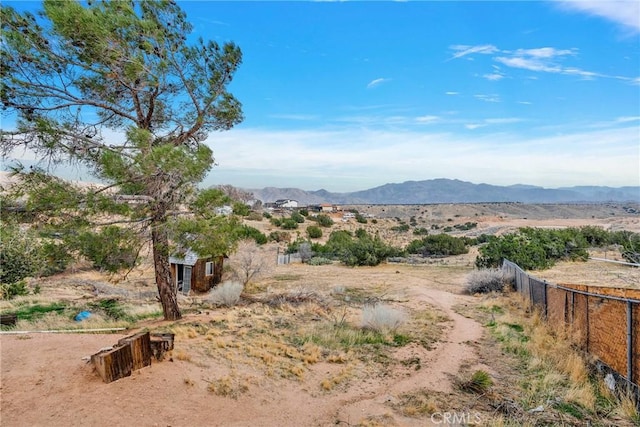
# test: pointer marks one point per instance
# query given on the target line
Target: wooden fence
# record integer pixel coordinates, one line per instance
(605, 321)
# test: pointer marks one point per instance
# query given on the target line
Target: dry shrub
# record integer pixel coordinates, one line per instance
(294, 298)
(182, 355)
(382, 318)
(485, 281)
(226, 294)
(250, 262)
(327, 384)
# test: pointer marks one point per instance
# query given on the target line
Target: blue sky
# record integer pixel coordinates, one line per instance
(350, 95)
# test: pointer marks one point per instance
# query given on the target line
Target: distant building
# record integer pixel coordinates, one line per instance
(325, 208)
(286, 203)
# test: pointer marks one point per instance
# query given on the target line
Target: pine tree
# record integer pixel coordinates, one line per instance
(118, 87)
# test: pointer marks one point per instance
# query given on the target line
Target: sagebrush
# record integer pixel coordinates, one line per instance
(226, 294)
(485, 281)
(382, 318)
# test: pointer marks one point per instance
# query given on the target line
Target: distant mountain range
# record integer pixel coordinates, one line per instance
(453, 191)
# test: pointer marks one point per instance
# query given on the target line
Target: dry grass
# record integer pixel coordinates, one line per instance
(229, 386)
(382, 318)
(555, 372)
(284, 334)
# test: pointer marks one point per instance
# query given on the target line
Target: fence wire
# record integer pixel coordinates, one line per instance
(606, 321)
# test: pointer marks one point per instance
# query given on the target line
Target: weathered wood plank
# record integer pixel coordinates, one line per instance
(140, 349)
(113, 364)
(160, 344)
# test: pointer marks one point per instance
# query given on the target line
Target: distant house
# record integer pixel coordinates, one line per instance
(190, 271)
(328, 207)
(286, 203)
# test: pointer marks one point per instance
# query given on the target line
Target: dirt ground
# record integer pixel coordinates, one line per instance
(46, 381)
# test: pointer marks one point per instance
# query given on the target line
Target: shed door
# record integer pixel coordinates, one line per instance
(186, 280)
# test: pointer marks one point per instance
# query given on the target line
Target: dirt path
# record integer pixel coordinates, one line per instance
(438, 366)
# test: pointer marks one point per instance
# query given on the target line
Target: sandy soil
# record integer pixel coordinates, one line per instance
(46, 382)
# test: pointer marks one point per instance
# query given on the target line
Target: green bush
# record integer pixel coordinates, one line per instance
(297, 217)
(314, 232)
(241, 209)
(317, 260)
(289, 224)
(276, 221)
(466, 226)
(25, 254)
(111, 249)
(280, 236)
(534, 248)
(255, 216)
(324, 220)
(438, 245)
(361, 249)
(247, 232)
(10, 290)
(361, 219)
(402, 228)
(421, 231)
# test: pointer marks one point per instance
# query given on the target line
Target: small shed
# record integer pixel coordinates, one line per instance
(190, 271)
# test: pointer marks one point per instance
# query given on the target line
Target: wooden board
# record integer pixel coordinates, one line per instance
(140, 349)
(160, 344)
(113, 364)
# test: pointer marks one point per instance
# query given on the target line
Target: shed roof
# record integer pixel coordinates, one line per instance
(190, 258)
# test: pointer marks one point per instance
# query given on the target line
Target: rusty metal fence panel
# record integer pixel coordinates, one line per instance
(605, 321)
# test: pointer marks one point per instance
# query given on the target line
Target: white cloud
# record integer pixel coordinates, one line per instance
(543, 59)
(627, 119)
(464, 50)
(525, 102)
(494, 121)
(427, 119)
(624, 13)
(493, 76)
(349, 160)
(488, 98)
(353, 159)
(545, 52)
(452, 93)
(532, 64)
(377, 82)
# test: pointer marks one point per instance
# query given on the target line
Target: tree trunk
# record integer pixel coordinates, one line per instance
(166, 290)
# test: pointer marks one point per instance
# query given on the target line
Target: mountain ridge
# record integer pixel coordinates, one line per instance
(444, 190)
